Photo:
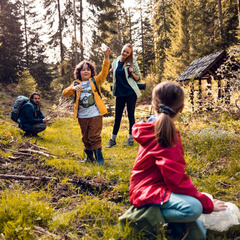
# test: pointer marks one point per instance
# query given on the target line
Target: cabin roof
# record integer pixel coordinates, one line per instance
(203, 67)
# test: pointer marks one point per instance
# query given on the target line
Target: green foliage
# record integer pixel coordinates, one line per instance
(20, 211)
(10, 41)
(212, 154)
(179, 52)
(63, 81)
(151, 81)
(211, 143)
(26, 84)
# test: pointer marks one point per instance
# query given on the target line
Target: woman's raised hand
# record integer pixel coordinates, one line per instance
(219, 205)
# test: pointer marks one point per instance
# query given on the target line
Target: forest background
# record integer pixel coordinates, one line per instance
(42, 41)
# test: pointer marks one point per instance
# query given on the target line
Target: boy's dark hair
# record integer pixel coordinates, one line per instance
(32, 96)
(170, 96)
(79, 67)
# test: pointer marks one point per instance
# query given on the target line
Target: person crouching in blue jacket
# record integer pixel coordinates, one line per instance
(31, 119)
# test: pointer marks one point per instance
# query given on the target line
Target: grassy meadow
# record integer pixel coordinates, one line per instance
(69, 199)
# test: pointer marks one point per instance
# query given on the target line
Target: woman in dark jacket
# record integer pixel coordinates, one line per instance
(126, 73)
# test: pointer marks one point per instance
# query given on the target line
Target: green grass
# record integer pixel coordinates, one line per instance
(20, 211)
(212, 151)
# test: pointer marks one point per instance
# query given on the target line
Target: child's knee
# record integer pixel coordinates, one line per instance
(195, 210)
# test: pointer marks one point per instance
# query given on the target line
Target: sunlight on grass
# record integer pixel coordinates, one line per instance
(63, 137)
(212, 150)
(20, 211)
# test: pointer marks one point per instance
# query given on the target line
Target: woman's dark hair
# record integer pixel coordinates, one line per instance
(130, 57)
(79, 67)
(32, 96)
(167, 100)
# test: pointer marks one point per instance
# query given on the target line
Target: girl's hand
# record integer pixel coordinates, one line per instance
(106, 54)
(219, 205)
(77, 88)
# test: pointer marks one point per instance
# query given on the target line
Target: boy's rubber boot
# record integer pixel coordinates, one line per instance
(90, 157)
(99, 156)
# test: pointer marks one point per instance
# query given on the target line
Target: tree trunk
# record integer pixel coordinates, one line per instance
(220, 17)
(75, 34)
(164, 20)
(120, 38)
(238, 3)
(142, 35)
(81, 31)
(130, 25)
(60, 32)
(25, 32)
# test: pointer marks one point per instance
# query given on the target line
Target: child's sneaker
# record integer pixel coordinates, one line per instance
(111, 143)
(129, 142)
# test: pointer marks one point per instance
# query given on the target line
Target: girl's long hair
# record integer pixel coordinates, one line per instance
(171, 95)
(79, 67)
(130, 57)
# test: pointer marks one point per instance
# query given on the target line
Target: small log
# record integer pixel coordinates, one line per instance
(92, 220)
(23, 177)
(35, 145)
(14, 158)
(43, 231)
(38, 152)
(19, 153)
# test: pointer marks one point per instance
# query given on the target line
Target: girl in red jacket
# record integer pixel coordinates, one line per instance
(158, 176)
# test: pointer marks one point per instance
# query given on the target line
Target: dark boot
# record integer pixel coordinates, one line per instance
(99, 156)
(90, 157)
(28, 134)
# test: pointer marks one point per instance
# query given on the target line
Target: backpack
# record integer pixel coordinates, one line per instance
(18, 105)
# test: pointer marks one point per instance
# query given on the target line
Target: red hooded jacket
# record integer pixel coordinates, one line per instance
(158, 171)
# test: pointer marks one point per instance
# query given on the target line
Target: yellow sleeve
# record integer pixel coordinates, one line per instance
(67, 92)
(103, 74)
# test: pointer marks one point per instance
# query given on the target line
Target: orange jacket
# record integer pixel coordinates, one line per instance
(67, 92)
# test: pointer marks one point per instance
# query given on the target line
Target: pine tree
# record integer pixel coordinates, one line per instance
(230, 23)
(108, 22)
(178, 54)
(203, 29)
(26, 84)
(55, 19)
(10, 42)
(145, 44)
(33, 58)
(162, 20)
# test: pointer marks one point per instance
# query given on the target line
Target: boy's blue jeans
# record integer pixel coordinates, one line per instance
(182, 211)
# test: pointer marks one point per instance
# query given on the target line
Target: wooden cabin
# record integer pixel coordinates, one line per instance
(204, 69)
